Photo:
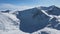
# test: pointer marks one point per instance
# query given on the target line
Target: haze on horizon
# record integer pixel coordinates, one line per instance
(25, 4)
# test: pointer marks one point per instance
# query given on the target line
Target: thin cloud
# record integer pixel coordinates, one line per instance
(14, 7)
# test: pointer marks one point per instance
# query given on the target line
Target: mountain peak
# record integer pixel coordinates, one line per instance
(53, 10)
(48, 8)
(53, 6)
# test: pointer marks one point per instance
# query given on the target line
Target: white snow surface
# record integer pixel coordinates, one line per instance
(7, 26)
(7, 20)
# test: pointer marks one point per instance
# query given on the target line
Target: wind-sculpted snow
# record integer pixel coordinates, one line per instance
(8, 26)
(6, 23)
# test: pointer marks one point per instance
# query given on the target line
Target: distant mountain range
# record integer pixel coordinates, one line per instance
(32, 20)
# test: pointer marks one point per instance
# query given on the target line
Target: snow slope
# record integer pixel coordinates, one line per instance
(8, 26)
(9, 23)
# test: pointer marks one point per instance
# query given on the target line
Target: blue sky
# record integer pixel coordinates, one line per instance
(29, 3)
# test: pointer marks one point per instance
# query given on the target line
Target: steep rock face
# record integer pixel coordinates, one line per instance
(55, 23)
(43, 32)
(32, 20)
(55, 12)
(43, 8)
(52, 10)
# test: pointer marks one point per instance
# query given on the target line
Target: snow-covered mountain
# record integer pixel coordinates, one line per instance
(32, 20)
(39, 20)
(52, 10)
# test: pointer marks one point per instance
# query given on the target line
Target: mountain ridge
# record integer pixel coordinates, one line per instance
(32, 20)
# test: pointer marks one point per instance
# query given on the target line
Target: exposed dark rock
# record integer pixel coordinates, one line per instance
(32, 20)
